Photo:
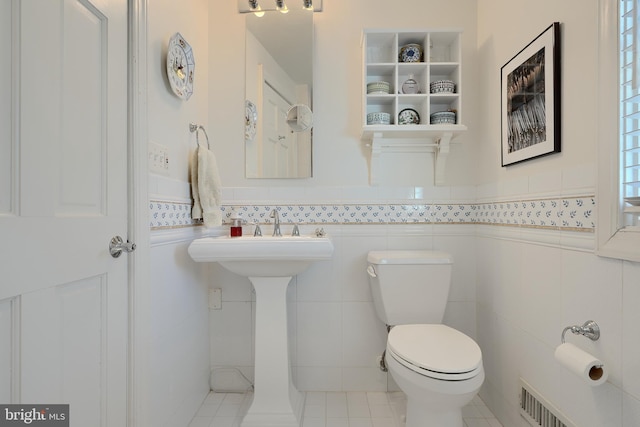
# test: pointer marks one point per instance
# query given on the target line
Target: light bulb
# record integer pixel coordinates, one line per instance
(255, 8)
(281, 6)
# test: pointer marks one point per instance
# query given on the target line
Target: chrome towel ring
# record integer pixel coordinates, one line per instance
(193, 127)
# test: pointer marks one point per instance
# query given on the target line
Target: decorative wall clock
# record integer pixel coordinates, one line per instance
(180, 66)
(251, 120)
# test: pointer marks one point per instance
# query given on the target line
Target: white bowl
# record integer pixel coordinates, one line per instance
(443, 86)
(379, 87)
(443, 118)
(378, 118)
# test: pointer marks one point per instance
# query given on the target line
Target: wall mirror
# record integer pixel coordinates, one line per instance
(279, 80)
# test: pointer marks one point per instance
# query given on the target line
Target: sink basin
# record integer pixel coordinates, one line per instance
(262, 256)
(269, 263)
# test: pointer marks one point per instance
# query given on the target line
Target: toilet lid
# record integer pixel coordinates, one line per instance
(435, 350)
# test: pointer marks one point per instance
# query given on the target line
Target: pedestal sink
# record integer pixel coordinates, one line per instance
(269, 263)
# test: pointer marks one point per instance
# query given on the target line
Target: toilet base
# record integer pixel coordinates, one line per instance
(430, 402)
(420, 416)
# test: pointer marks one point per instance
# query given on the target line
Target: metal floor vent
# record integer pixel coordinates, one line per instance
(537, 411)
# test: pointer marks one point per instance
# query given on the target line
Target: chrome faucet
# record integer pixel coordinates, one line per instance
(276, 224)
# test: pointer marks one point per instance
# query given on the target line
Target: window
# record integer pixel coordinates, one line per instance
(629, 29)
(618, 184)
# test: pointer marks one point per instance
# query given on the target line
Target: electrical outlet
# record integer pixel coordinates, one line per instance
(158, 158)
(215, 298)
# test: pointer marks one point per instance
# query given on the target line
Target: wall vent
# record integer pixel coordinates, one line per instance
(537, 411)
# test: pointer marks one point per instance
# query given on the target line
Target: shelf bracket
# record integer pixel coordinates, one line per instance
(376, 150)
(440, 157)
(437, 144)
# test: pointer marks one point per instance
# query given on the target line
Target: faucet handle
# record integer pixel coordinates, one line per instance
(258, 231)
(296, 230)
(320, 232)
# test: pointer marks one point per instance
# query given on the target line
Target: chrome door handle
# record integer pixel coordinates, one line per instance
(117, 246)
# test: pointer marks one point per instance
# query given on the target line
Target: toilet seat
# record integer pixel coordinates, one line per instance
(436, 351)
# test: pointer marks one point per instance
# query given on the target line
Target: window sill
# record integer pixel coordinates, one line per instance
(624, 245)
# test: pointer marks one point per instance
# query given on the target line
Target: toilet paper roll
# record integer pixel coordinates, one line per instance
(581, 363)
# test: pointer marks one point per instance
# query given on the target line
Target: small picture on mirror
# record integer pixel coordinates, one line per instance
(250, 120)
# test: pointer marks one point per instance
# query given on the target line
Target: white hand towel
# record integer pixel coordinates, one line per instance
(205, 182)
(196, 212)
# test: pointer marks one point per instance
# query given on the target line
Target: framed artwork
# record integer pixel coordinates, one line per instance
(530, 92)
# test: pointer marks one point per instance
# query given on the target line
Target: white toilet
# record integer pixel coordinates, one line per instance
(437, 367)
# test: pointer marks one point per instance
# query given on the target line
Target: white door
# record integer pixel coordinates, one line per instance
(63, 196)
(278, 149)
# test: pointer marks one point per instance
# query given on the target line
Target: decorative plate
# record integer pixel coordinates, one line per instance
(408, 116)
(250, 120)
(180, 66)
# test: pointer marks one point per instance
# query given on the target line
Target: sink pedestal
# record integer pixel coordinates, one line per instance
(276, 401)
(269, 263)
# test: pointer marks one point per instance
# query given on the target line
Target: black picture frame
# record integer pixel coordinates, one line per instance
(530, 100)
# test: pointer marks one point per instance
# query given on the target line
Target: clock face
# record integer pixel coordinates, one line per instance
(180, 67)
(251, 120)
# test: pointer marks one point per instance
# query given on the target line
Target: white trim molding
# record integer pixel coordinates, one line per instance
(611, 241)
(138, 185)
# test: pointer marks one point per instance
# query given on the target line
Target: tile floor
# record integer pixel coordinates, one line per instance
(334, 409)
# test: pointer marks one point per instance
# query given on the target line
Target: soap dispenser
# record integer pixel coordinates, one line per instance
(236, 226)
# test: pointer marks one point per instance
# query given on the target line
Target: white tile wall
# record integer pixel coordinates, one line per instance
(319, 337)
(541, 290)
(363, 335)
(230, 334)
(527, 293)
(179, 336)
(630, 338)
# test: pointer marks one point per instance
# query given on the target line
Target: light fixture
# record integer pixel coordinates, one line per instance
(255, 8)
(281, 7)
(259, 7)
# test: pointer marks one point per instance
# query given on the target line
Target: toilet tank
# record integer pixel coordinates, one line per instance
(409, 286)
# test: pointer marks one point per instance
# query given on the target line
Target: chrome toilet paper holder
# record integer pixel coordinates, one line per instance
(589, 329)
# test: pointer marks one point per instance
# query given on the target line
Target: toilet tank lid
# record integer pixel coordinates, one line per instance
(409, 257)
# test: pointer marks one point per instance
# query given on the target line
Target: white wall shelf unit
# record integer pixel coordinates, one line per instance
(382, 62)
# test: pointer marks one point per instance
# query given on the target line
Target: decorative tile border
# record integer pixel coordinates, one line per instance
(571, 213)
(564, 213)
(170, 215)
(356, 213)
